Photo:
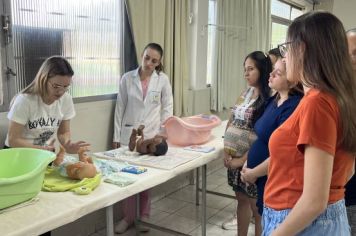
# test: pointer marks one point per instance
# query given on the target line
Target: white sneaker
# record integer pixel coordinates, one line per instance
(230, 224)
(121, 227)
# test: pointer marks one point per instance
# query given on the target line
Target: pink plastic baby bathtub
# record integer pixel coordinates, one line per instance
(190, 130)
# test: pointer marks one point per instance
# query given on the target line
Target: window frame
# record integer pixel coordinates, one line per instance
(213, 40)
(284, 21)
(9, 81)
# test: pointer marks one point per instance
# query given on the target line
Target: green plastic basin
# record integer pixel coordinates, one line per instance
(21, 174)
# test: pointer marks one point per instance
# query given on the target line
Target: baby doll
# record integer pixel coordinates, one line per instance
(84, 168)
(156, 145)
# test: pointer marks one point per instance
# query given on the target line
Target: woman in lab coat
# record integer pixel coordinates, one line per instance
(144, 98)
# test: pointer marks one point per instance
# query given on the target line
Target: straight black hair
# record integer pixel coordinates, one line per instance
(264, 66)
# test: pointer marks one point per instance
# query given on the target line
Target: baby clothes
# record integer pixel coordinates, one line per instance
(108, 167)
(119, 179)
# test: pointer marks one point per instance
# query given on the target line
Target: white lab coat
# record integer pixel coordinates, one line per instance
(131, 110)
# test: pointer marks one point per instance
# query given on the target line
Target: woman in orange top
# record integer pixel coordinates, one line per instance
(311, 152)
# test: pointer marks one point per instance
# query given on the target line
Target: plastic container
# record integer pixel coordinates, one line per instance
(21, 174)
(190, 130)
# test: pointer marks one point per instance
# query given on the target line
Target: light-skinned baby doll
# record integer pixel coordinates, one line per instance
(84, 168)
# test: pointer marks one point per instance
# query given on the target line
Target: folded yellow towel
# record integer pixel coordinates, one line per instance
(54, 182)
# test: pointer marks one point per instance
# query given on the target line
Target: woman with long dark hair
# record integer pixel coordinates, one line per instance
(239, 135)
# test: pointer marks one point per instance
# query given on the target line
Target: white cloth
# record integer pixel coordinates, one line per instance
(41, 121)
(132, 110)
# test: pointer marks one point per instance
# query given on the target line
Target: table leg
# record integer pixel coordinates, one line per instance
(137, 220)
(203, 199)
(110, 220)
(197, 187)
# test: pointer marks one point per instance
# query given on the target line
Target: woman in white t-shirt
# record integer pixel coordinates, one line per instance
(44, 109)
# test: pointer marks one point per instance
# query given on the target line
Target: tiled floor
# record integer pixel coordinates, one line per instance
(179, 212)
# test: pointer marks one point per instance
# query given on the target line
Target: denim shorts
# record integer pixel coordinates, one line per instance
(333, 221)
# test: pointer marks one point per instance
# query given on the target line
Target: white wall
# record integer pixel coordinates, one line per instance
(345, 10)
(94, 123)
(326, 5)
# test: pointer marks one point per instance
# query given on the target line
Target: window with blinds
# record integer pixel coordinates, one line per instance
(86, 32)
